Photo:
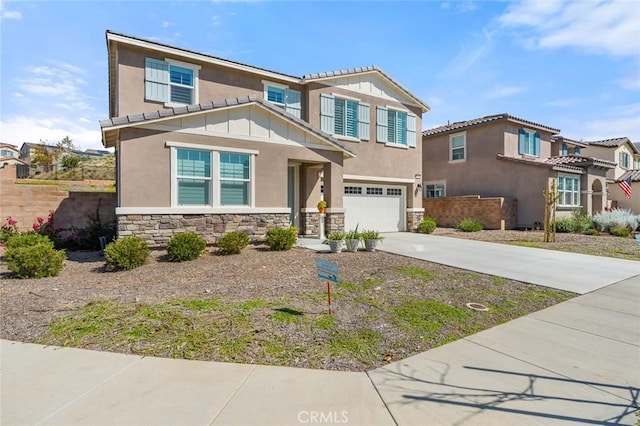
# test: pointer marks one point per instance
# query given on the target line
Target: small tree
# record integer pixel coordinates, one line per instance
(46, 156)
(551, 197)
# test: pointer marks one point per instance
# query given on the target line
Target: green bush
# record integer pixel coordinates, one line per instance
(35, 261)
(592, 231)
(233, 242)
(28, 240)
(470, 225)
(280, 239)
(620, 232)
(185, 246)
(127, 253)
(581, 221)
(427, 225)
(605, 221)
(88, 238)
(565, 224)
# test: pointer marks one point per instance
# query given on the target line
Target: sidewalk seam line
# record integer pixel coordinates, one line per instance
(382, 399)
(583, 331)
(599, 307)
(235, 391)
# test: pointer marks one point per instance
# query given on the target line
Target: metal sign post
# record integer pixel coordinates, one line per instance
(327, 270)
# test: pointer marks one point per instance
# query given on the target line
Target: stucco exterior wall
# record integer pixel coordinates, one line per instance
(145, 166)
(616, 194)
(611, 154)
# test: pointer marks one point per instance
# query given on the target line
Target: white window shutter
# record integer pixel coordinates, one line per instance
(364, 122)
(293, 102)
(411, 130)
(156, 80)
(382, 116)
(327, 113)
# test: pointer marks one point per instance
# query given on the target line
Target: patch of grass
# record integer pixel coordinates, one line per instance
(417, 273)
(361, 344)
(497, 281)
(287, 316)
(427, 317)
(325, 322)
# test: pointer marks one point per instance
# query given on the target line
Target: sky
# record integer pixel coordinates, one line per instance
(574, 66)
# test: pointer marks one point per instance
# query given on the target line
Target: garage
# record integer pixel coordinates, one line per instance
(379, 207)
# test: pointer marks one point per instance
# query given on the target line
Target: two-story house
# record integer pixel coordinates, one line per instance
(9, 155)
(626, 155)
(506, 156)
(212, 145)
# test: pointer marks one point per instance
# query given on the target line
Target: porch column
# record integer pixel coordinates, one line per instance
(333, 193)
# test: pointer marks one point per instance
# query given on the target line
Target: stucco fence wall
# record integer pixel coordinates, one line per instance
(25, 203)
(494, 212)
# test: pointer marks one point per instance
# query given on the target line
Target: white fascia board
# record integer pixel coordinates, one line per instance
(198, 57)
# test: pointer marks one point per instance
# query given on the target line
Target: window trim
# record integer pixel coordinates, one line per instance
(434, 182)
(362, 127)
(215, 180)
(196, 78)
(284, 106)
(537, 145)
(464, 147)
(574, 191)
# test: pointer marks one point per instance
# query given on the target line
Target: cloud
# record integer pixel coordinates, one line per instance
(63, 81)
(9, 14)
(505, 91)
(20, 128)
(477, 48)
(608, 27)
(618, 121)
(631, 82)
(166, 24)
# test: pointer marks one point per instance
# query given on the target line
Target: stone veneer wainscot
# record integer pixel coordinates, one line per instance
(157, 229)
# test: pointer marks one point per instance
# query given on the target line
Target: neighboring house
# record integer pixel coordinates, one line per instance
(626, 155)
(506, 156)
(28, 151)
(212, 145)
(9, 155)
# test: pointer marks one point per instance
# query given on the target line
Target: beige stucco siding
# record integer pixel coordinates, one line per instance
(146, 170)
(214, 82)
(611, 154)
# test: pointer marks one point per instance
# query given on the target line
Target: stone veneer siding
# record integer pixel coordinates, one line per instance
(334, 222)
(413, 220)
(157, 229)
(310, 223)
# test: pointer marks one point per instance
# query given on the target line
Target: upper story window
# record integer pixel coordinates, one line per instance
(283, 97)
(397, 128)
(624, 160)
(565, 150)
(528, 143)
(568, 191)
(171, 82)
(576, 150)
(344, 117)
(458, 147)
(6, 153)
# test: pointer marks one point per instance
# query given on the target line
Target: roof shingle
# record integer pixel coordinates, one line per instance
(487, 119)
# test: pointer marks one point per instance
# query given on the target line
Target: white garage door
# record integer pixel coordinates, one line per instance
(375, 207)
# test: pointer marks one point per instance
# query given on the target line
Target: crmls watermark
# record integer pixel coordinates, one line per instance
(323, 417)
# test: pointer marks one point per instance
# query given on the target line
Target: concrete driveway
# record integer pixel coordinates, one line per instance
(573, 272)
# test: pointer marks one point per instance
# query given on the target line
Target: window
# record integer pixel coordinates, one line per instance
(344, 117)
(283, 97)
(434, 189)
(6, 153)
(357, 190)
(576, 150)
(458, 147)
(374, 191)
(211, 178)
(396, 127)
(528, 143)
(394, 191)
(194, 177)
(624, 160)
(568, 191)
(170, 81)
(565, 150)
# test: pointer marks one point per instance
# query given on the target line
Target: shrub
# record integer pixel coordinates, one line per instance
(35, 261)
(88, 238)
(592, 231)
(233, 242)
(127, 253)
(620, 232)
(581, 221)
(28, 240)
(605, 221)
(427, 225)
(279, 239)
(185, 246)
(70, 162)
(370, 234)
(336, 236)
(8, 230)
(470, 225)
(565, 224)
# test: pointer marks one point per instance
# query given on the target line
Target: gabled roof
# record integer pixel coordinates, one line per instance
(562, 139)
(484, 120)
(116, 123)
(560, 167)
(8, 145)
(363, 70)
(634, 174)
(616, 142)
